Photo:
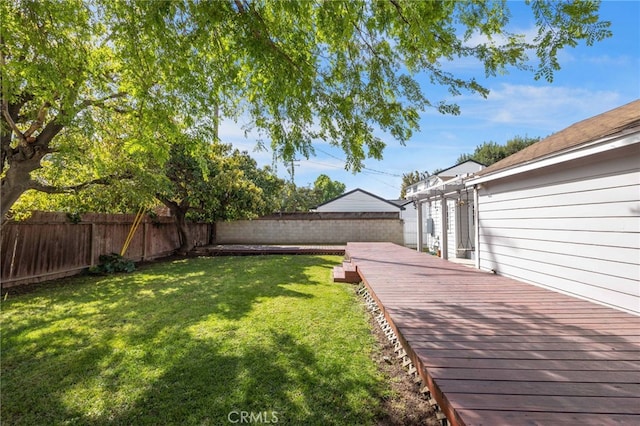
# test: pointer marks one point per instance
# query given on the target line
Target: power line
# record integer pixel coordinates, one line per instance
(373, 175)
(364, 168)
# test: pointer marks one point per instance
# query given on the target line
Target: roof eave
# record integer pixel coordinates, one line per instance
(629, 137)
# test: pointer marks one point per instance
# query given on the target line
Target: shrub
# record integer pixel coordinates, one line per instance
(111, 263)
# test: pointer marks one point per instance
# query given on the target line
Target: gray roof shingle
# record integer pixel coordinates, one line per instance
(607, 124)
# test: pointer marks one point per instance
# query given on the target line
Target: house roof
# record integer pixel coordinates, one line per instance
(592, 129)
(401, 202)
(362, 191)
(444, 172)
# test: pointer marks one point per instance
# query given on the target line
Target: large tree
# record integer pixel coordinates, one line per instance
(327, 189)
(297, 71)
(218, 183)
(491, 152)
(304, 198)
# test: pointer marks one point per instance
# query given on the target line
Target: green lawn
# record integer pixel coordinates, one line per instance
(196, 341)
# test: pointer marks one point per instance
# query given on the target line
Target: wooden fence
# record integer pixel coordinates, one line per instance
(50, 245)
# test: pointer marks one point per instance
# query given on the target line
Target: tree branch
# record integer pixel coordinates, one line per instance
(260, 36)
(399, 9)
(10, 122)
(101, 102)
(363, 37)
(38, 122)
(50, 189)
(49, 132)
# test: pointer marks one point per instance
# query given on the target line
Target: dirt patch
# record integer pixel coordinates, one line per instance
(406, 406)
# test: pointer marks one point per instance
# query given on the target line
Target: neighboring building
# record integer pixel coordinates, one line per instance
(564, 213)
(446, 213)
(360, 201)
(466, 168)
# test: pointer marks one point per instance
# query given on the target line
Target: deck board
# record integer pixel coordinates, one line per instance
(498, 351)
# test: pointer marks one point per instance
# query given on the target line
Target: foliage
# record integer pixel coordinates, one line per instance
(213, 183)
(83, 77)
(218, 183)
(327, 189)
(121, 196)
(491, 152)
(66, 104)
(296, 198)
(304, 198)
(112, 263)
(187, 342)
(74, 218)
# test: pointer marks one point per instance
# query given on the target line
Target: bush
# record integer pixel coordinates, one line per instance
(111, 263)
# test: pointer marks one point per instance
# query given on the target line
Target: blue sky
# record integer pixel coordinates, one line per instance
(592, 80)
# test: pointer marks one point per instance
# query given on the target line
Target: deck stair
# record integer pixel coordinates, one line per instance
(347, 273)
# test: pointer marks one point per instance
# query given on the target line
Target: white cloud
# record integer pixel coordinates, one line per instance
(447, 135)
(613, 61)
(550, 107)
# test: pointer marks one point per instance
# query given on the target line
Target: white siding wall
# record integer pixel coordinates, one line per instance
(574, 228)
(358, 202)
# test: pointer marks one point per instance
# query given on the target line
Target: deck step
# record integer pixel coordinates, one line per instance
(347, 273)
(339, 275)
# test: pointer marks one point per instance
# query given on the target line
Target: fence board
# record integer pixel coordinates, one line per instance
(49, 246)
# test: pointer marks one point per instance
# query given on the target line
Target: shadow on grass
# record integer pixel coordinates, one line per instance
(174, 324)
(284, 382)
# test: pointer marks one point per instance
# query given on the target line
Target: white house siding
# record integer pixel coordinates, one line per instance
(358, 201)
(574, 227)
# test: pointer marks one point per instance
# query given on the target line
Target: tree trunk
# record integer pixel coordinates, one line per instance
(179, 214)
(18, 162)
(186, 243)
(16, 181)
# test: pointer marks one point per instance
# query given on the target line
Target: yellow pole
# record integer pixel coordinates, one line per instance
(132, 231)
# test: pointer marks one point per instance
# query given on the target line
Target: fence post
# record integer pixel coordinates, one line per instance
(92, 236)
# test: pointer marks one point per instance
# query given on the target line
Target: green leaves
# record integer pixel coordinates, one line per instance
(491, 152)
(143, 73)
(561, 24)
(217, 183)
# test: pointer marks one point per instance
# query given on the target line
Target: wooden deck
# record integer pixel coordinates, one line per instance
(495, 351)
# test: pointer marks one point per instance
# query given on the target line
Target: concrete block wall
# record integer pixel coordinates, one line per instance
(309, 231)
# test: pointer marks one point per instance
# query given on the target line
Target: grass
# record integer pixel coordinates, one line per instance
(197, 341)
